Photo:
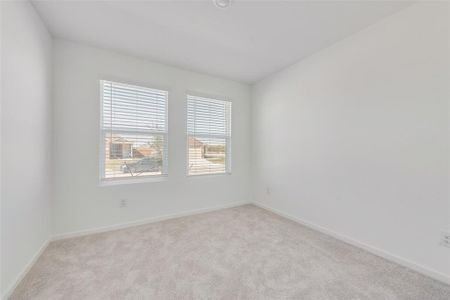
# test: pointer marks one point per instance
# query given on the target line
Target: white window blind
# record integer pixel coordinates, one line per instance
(208, 136)
(134, 131)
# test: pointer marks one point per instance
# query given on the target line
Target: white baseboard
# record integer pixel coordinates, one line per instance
(25, 270)
(379, 252)
(144, 221)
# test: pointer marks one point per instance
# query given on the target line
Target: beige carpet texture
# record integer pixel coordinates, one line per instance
(239, 253)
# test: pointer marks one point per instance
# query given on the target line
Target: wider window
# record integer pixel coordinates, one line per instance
(208, 136)
(134, 131)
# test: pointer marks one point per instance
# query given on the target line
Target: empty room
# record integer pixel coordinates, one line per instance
(225, 149)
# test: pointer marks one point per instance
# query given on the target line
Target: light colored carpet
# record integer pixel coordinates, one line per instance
(239, 253)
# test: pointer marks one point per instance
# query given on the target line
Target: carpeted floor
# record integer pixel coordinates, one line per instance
(239, 253)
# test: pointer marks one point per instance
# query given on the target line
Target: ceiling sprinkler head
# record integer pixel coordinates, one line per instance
(222, 3)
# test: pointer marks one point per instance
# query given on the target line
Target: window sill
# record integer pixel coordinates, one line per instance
(208, 175)
(147, 179)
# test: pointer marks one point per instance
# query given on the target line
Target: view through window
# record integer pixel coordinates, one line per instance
(209, 135)
(134, 131)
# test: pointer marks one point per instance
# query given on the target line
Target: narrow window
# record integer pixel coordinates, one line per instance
(208, 136)
(134, 131)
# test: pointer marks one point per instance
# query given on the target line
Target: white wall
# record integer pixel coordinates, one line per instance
(79, 202)
(356, 137)
(26, 138)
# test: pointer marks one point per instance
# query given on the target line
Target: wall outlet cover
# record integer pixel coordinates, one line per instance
(123, 203)
(445, 239)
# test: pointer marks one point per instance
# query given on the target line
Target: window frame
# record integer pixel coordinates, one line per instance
(103, 181)
(228, 139)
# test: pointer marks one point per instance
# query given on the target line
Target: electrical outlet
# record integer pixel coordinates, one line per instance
(123, 203)
(445, 239)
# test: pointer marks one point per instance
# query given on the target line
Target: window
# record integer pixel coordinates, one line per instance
(208, 136)
(134, 131)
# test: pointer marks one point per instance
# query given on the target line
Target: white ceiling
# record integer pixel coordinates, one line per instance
(246, 42)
